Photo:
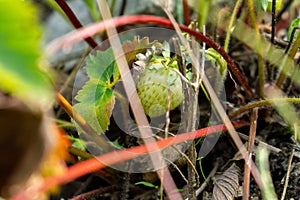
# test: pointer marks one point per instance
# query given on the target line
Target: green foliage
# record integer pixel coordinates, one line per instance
(92, 5)
(212, 56)
(268, 190)
(58, 9)
(266, 5)
(96, 99)
(295, 23)
(147, 184)
(203, 13)
(116, 145)
(179, 11)
(20, 65)
(78, 143)
(277, 7)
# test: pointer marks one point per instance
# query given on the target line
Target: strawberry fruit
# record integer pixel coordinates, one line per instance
(153, 87)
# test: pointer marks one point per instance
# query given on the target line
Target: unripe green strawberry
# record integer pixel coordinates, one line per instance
(153, 89)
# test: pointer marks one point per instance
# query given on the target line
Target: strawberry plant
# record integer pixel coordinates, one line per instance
(149, 102)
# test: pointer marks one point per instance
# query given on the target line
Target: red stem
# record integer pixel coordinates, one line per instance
(95, 28)
(186, 12)
(94, 164)
(74, 20)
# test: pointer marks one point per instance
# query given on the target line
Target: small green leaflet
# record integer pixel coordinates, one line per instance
(210, 55)
(78, 143)
(96, 98)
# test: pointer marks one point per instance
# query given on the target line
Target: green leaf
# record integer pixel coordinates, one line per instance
(91, 4)
(266, 5)
(277, 5)
(179, 11)
(78, 143)
(203, 11)
(20, 65)
(258, 6)
(96, 98)
(295, 23)
(211, 55)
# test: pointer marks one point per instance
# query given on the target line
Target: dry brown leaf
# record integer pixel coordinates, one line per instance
(226, 184)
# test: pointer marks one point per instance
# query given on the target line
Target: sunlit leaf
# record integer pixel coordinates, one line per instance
(20, 70)
(96, 98)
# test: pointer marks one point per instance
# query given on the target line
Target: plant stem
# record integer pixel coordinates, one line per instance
(251, 139)
(74, 20)
(273, 21)
(261, 70)
(156, 158)
(123, 6)
(287, 177)
(228, 34)
(262, 103)
(186, 12)
(288, 61)
(78, 152)
(102, 142)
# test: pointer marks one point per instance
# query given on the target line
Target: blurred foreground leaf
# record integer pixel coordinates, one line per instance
(20, 73)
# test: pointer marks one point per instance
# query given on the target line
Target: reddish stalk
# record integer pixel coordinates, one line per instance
(74, 20)
(186, 12)
(69, 39)
(81, 122)
(94, 164)
(247, 170)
